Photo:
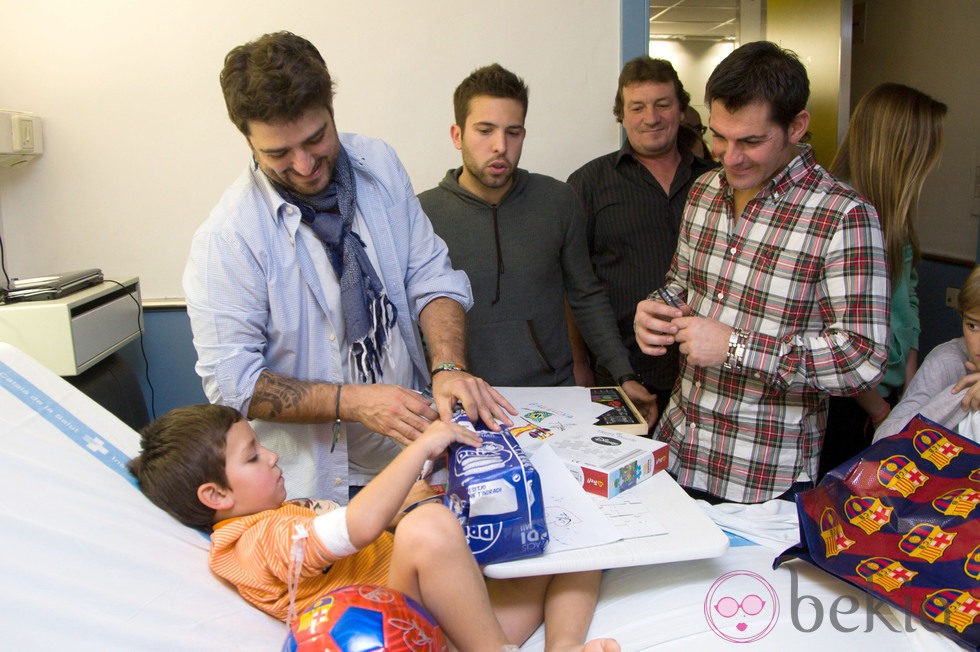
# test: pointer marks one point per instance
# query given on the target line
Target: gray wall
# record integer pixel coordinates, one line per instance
(931, 46)
(138, 146)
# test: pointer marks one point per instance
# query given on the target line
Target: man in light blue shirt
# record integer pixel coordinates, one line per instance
(309, 282)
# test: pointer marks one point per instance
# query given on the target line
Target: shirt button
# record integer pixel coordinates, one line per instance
(333, 336)
(338, 481)
(732, 250)
(721, 296)
(697, 383)
(289, 210)
(757, 375)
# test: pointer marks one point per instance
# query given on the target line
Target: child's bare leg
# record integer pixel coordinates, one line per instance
(564, 602)
(568, 608)
(432, 563)
(519, 604)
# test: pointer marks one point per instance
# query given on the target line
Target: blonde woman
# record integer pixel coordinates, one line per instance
(893, 142)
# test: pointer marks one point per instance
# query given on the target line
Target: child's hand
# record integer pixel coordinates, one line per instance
(970, 382)
(439, 434)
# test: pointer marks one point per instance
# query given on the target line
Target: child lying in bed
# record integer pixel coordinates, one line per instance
(946, 388)
(204, 465)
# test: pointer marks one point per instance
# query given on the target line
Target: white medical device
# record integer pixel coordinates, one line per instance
(20, 138)
(71, 333)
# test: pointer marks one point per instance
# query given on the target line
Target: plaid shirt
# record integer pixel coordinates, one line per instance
(802, 271)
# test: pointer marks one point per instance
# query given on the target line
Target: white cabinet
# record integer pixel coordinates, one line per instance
(70, 334)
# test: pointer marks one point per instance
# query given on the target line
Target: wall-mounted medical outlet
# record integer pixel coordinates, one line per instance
(952, 296)
(20, 137)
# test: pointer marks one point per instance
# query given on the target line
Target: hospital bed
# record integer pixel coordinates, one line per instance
(87, 563)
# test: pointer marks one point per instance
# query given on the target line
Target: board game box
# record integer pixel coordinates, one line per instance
(622, 414)
(607, 462)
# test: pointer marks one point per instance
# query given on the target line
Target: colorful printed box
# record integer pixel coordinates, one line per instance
(607, 462)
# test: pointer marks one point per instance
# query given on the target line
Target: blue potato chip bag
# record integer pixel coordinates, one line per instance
(495, 493)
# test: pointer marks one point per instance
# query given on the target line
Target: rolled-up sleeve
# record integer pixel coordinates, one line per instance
(227, 304)
(848, 355)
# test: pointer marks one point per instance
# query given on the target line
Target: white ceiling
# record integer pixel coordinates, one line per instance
(713, 20)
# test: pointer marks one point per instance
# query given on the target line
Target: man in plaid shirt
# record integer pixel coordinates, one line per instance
(783, 272)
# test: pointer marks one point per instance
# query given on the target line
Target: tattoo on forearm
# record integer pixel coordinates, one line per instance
(276, 395)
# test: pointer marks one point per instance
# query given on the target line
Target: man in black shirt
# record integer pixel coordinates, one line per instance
(633, 200)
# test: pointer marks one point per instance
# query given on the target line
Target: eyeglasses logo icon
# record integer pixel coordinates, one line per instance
(751, 605)
(741, 607)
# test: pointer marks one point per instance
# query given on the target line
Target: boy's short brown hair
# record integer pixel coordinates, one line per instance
(180, 451)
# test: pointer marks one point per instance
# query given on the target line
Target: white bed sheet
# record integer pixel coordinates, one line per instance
(662, 607)
(87, 563)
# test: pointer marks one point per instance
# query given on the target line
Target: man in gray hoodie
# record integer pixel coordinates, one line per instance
(520, 238)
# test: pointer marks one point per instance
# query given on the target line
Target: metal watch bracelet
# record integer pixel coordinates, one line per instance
(736, 349)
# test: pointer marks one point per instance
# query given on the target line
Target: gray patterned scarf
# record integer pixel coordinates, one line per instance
(368, 313)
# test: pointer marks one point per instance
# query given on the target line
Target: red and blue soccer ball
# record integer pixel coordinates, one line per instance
(363, 618)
